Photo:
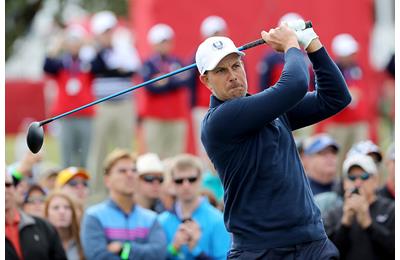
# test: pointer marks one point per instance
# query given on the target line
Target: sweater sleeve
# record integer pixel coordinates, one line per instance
(93, 240)
(330, 97)
(249, 114)
(155, 248)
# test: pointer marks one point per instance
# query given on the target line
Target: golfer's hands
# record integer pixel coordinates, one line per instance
(281, 38)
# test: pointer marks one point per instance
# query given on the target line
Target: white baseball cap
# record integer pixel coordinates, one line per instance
(159, 33)
(211, 25)
(103, 21)
(149, 163)
(361, 160)
(344, 45)
(212, 51)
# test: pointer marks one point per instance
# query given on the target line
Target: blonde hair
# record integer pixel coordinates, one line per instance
(114, 157)
(74, 228)
(184, 162)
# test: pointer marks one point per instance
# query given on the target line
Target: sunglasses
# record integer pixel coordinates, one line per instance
(36, 199)
(75, 183)
(9, 184)
(180, 181)
(364, 176)
(151, 178)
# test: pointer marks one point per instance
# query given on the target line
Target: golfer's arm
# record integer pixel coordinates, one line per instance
(330, 97)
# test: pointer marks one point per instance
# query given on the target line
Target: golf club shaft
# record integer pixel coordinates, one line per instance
(249, 45)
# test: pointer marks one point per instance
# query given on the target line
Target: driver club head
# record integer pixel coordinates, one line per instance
(34, 137)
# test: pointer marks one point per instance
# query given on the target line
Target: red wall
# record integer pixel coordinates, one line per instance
(247, 18)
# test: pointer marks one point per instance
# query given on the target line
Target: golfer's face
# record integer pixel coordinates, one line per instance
(228, 79)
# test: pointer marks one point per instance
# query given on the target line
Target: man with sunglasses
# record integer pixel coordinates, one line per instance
(118, 228)
(194, 228)
(150, 172)
(363, 227)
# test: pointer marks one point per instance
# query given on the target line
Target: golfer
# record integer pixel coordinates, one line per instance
(269, 206)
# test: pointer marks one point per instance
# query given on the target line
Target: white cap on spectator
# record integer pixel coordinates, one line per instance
(361, 160)
(103, 21)
(149, 163)
(159, 33)
(75, 32)
(212, 51)
(344, 45)
(211, 25)
(290, 17)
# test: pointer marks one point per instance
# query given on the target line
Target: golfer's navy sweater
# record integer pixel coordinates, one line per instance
(268, 200)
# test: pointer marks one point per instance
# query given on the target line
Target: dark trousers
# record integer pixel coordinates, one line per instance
(317, 250)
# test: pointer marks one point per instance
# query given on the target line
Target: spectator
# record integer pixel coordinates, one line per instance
(48, 177)
(165, 105)
(28, 237)
(60, 212)
(200, 95)
(351, 125)
(366, 147)
(34, 201)
(363, 228)
(71, 70)
(320, 162)
(150, 171)
(113, 67)
(74, 181)
(117, 228)
(194, 228)
(388, 189)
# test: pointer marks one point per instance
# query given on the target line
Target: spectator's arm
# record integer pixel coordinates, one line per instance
(94, 242)
(99, 68)
(155, 248)
(384, 235)
(52, 65)
(338, 233)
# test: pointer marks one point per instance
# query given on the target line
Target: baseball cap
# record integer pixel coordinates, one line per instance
(361, 160)
(211, 25)
(317, 143)
(344, 45)
(149, 163)
(159, 33)
(211, 51)
(365, 147)
(102, 21)
(67, 174)
(290, 17)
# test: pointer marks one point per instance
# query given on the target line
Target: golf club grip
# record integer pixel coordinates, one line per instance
(255, 43)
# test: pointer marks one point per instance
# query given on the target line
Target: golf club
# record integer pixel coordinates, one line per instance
(35, 134)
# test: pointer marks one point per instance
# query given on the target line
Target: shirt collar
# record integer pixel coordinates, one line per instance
(214, 101)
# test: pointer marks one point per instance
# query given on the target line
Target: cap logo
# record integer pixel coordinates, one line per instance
(218, 45)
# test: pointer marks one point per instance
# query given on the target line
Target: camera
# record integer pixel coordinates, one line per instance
(355, 191)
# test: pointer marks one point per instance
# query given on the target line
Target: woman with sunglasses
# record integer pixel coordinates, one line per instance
(60, 211)
(75, 182)
(363, 227)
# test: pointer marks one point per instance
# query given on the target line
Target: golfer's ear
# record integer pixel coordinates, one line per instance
(204, 80)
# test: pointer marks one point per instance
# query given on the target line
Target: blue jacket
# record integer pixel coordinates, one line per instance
(268, 200)
(106, 222)
(214, 242)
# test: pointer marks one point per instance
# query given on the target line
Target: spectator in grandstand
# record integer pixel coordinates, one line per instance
(66, 64)
(75, 182)
(150, 172)
(113, 67)
(34, 201)
(194, 228)
(60, 212)
(28, 237)
(388, 189)
(363, 228)
(118, 228)
(165, 103)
